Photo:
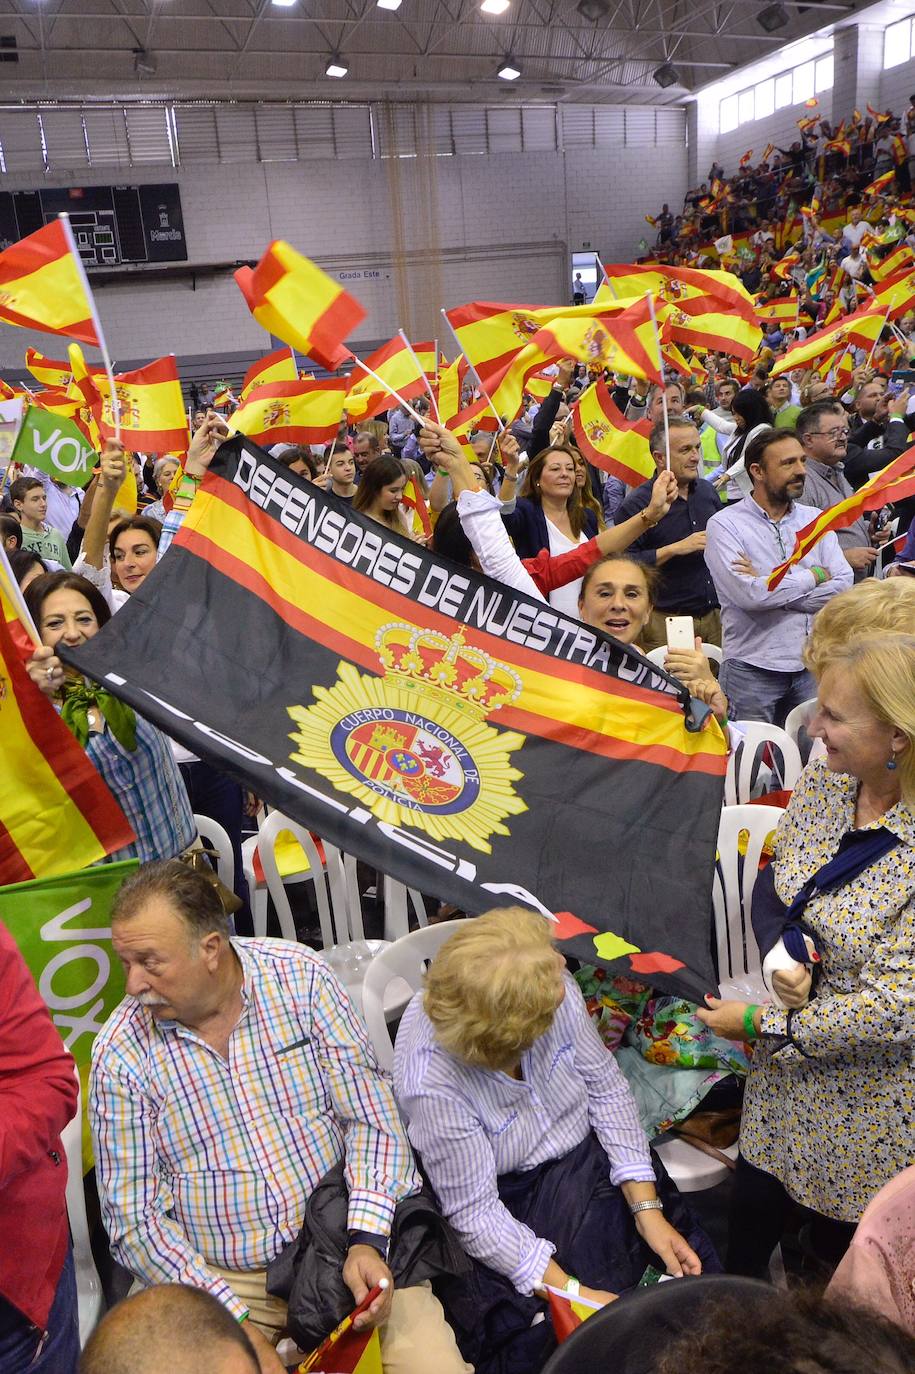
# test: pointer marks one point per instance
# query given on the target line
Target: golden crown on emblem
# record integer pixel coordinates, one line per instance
(449, 667)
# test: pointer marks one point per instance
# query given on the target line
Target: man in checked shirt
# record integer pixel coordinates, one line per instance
(234, 1075)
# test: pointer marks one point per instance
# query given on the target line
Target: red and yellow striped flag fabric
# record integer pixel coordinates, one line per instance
(56, 813)
(82, 387)
(346, 1352)
(625, 341)
(879, 184)
(895, 482)
(153, 417)
(292, 412)
(492, 335)
(862, 329)
(291, 297)
(278, 366)
(42, 286)
(781, 310)
(902, 259)
(427, 357)
(896, 293)
(450, 386)
(609, 441)
(568, 1312)
(782, 268)
(414, 499)
(51, 372)
(396, 366)
(676, 285)
(709, 324)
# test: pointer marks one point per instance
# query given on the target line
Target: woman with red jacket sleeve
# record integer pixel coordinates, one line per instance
(39, 1324)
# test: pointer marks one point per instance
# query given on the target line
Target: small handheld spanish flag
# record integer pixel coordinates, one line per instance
(347, 1351)
(291, 297)
(43, 285)
(568, 1312)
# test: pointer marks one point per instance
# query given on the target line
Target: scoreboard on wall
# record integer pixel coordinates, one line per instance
(112, 225)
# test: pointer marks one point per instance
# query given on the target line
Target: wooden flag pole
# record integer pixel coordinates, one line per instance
(870, 356)
(100, 333)
(409, 348)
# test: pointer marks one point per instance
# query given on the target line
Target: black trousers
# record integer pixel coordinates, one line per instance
(760, 1211)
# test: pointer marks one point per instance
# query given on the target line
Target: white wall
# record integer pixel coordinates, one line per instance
(496, 225)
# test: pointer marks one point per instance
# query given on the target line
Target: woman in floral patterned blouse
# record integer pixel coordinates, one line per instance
(829, 1111)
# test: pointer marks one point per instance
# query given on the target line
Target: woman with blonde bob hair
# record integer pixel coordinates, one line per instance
(527, 1131)
(829, 1108)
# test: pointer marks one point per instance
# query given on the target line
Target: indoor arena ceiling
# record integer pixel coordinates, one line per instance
(572, 50)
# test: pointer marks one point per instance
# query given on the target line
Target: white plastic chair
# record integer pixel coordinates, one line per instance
(797, 720)
(738, 963)
(343, 941)
(215, 835)
(90, 1300)
(257, 887)
(746, 776)
(403, 962)
(711, 651)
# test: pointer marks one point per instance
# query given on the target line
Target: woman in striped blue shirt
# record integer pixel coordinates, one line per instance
(529, 1135)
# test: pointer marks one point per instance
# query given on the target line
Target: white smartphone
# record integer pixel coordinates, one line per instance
(680, 632)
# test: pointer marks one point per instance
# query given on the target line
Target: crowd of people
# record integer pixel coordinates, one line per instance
(258, 1174)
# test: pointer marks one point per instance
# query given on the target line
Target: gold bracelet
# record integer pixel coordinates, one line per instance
(649, 524)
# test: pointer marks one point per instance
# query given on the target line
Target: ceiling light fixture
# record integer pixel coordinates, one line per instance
(509, 71)
(593, 10)
(666, 75)
(772, 17)
(389, 4)
(144, 63)
(494, 6)
(336, 66)
(284, 4)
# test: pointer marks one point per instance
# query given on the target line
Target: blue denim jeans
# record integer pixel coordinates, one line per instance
(762, 693)
(20, 1342)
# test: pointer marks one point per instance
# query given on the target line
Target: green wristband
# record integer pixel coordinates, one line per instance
(819, 574)
(749, 1021)
(243, 1318)
(443, 472)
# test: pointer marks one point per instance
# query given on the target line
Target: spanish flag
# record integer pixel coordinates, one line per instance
(895, 482)
(292, 412)
(880, 118)
(394, 364)
(902, 259)
(414, 499)
(56, 813)
(450, 386)
(897, 293)
(43, 285)
(780, 310)
(427, 357)
(153, 417)
(274, 367)
(436, 724)
(493, 335)
(568, 1312)
(49, 371)
(677, 285)
(609, 441)
(708, 324)
(861, 329)
(291, 297)
(879, 184)
(625, 341)
(783, 267)
(347, 1351)
(83, 388)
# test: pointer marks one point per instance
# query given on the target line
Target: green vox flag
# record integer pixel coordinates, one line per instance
(56, 446)
(63, 929)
